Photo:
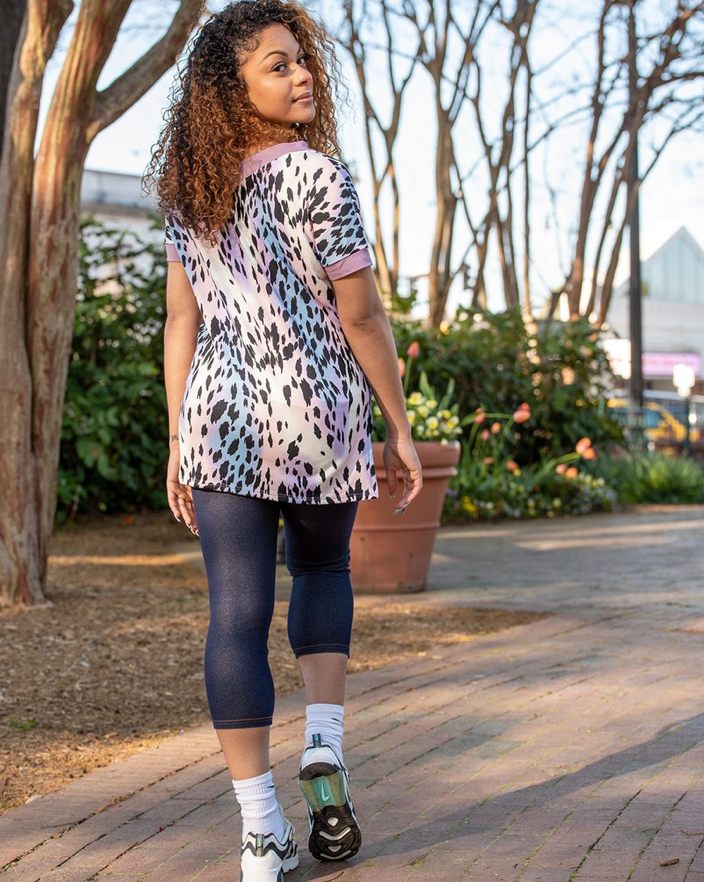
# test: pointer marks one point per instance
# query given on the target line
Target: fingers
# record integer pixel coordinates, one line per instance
(412, 485)
(185, 503)
(180, 498)
(172, 498)
(190, 505)
(391, 482)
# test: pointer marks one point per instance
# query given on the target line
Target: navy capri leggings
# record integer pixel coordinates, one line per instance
(238, 537)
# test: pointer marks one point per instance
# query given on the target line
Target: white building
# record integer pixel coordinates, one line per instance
(117, 199)
(673, 311)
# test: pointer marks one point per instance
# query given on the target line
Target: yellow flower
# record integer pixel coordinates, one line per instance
(423, 410)
(415, 398)
(445, 414)
(431, 402)
(411, 417)
(444, 327)
(468, 505)
(433, 423)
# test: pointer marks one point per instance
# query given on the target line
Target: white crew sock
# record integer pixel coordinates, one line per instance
(260, 809)
(327, 719)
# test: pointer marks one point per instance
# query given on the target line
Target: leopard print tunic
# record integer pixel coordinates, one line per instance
(275, 403)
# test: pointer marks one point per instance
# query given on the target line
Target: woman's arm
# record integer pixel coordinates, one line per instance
(180, 337)
(366, 326)
(183, 319)
(368, 332)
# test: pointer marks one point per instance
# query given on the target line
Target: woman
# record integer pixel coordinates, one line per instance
(274, 341)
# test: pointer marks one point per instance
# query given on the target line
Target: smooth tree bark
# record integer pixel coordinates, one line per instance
(39, 216)
(13, 16)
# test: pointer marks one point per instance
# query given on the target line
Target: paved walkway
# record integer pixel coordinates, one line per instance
(571, 748)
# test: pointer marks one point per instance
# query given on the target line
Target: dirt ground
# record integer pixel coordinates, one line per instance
(115, 663)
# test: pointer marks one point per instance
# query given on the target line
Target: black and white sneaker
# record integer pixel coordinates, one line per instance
(264, 858)
(333, 828)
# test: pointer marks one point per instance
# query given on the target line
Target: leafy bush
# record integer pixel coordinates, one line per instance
(561, 372)
(655, 477)
(114, 437)
(514, 495)
(430, 419)
(491, 484)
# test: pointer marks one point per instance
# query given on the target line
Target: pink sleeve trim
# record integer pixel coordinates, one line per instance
(171, 252)
(349, 264)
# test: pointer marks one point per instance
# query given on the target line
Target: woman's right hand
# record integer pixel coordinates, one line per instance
(400, 455)
(180, 496)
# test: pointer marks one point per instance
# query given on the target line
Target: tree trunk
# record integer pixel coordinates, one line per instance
(39, 214)
(20, 566)
(13, 16)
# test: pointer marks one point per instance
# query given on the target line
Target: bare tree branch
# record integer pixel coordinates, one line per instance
(128, 88)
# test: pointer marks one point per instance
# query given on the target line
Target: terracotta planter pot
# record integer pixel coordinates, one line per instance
(391, 553)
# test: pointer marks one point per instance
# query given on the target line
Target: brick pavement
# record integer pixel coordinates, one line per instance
(571, 748)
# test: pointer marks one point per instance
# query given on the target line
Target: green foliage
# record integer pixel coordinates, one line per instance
(431, 419)
(655, 478)
(490, 483)
(517, 495)
(560, 372)
(21, 725)
(114, 435)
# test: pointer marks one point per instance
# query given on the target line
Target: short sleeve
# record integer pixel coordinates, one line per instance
(334, 220)
(171, 252)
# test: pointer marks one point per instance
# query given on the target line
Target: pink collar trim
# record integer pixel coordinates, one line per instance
(252, 162)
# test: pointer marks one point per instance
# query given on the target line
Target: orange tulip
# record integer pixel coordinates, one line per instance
(512, 466)
(413, 350)
(582, 445)
(495, 428)
(485, 435)
(524, 406)
(488, 460)
(401, 366)
(561, 468)
(480, 418)
(571, 472)
(521, 415)
(589, 453)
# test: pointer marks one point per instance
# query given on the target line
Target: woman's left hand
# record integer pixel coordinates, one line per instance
(180, 496)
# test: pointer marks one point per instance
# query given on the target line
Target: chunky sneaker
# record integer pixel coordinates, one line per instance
(264, 858)
(333, 829)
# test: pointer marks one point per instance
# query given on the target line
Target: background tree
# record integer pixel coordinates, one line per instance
(535, 107)
(39, 216)
(350, 36)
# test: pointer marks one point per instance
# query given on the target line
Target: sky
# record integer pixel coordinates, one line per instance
(670, 195)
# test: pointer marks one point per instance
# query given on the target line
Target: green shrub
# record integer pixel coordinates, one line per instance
(561, 373)
(490, 484)
(114, 439)
(654, 477)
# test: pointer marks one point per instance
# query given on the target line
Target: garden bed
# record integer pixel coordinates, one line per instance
(116, 663)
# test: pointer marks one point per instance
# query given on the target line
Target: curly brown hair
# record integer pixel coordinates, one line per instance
(211, 124)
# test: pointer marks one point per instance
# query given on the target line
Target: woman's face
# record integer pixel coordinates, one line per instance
(277, 78)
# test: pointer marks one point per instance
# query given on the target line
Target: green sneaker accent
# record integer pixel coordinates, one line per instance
(324, 790)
